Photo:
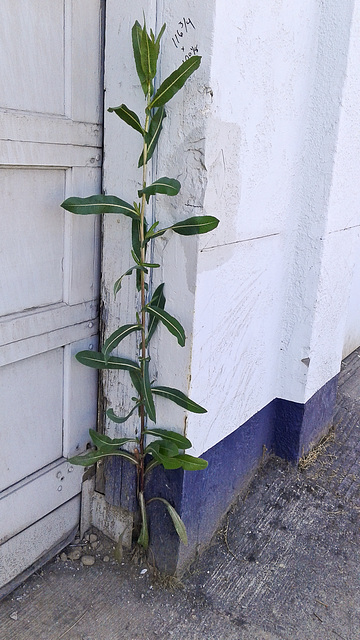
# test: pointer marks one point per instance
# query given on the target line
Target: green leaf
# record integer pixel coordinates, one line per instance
(153, 134)
(149, 54)
(158, 300)
(190, 463)
(177, 522)
(136, 41)
(148, 235)
(128, 116)
(163, 447)
(146, 393)
(135, 239)
(190, 227)
(91, 457)
(180, 441)
(169, 321)
(160, 34)
(169, 463)
(110, 414)
(101, 440)
(136, 380)
(138, 280)
(108, 445)
(168, 186)
(99, 204)
(135, 258)
(97, 360)
(117, 336)
(179, 398)
(157, 234)
(162, 457)
(195, 225)
(118, 283)
(143, 538)
(174, 82)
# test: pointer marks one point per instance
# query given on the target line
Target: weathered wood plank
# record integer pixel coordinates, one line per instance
(28, 546)
(34, 345)
(35, 496)
(31, 127)
(27, 324)
(19, 153)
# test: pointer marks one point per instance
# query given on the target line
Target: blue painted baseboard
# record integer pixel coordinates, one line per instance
(202, 498)
(299, 426)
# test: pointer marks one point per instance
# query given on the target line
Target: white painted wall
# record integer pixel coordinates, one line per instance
(273, 289)
(265, 137)
(344, 207)
(317, 280)
(258, 78)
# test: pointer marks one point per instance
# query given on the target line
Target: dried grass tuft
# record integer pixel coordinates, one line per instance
(310, 458)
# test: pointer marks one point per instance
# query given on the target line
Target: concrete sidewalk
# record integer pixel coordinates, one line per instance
(285, 564)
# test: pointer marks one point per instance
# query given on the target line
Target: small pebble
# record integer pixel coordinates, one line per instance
(87, 561)
(75, 554)
(14, 615)
(93, 537)
(63, 556)
(143, 571)
(106, 559)
(94, 544)
(86, 537)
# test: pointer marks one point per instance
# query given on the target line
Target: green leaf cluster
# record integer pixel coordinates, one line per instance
(166, 450)
(152, 446)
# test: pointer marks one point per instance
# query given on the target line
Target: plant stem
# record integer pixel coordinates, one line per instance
(142, 295)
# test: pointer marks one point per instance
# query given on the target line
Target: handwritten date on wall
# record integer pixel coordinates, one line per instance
(186, 27)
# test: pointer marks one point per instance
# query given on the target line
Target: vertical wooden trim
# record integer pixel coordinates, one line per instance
(68, 35)
(67, 261)
(99, 476)
(66, 419)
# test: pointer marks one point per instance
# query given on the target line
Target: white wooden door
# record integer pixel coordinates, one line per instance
(50, 148)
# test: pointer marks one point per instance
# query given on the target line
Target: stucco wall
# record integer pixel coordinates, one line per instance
(273, 289)
(265, 137)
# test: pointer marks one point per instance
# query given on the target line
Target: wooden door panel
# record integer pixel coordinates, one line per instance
(34, 229)
(84, 17)
(80, 394)
(31, 402)
(32, 54)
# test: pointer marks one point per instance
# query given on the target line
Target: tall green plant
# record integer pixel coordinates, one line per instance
(167, 449)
